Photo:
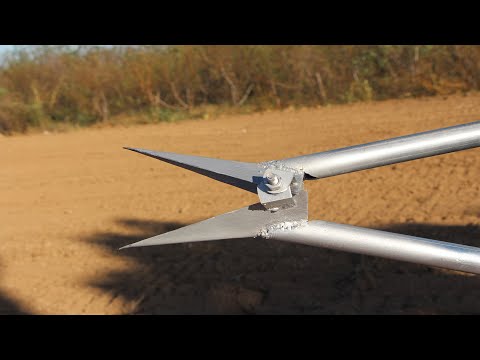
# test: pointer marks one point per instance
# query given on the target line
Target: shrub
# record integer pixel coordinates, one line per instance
(42, 86)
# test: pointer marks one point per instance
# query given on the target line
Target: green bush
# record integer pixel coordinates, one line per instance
(44, 86)
(13, 118)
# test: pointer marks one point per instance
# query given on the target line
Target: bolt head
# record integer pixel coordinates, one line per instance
(272, 179)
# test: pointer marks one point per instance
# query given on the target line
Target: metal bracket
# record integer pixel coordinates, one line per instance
(274, 190)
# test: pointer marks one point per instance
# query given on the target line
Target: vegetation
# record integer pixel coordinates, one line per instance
(52, 86)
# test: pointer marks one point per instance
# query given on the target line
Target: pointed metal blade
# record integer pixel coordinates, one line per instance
(240, 174)
(249, 221)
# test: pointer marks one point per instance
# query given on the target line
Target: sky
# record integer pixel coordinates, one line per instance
(4, 48)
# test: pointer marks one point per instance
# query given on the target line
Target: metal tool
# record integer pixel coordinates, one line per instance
(282, 213)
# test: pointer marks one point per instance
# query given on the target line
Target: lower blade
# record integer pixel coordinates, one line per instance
(246, 222)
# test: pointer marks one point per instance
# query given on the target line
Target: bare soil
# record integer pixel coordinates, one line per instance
(69, 201)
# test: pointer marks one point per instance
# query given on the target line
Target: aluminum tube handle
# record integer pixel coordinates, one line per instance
(386, 152)
(384, 244)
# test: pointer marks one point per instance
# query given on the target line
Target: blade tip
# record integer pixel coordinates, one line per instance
(137, 150)
(130, 148)
(126, 247)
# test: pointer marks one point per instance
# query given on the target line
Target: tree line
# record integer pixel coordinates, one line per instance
(41, 86)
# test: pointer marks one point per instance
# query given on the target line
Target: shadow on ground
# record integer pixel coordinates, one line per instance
(256, 276)
(8, 306)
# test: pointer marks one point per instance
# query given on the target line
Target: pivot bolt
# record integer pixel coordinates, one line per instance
(272, 179)
(273, 182)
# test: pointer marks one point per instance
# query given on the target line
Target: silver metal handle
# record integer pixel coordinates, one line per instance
(385, 152)
(384, 244)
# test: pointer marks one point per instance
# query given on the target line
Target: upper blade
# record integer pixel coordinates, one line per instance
(240, 174)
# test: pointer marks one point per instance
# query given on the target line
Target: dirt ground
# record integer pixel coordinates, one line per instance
(69, 201)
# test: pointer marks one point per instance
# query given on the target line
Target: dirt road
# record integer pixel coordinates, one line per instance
(68, 201)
